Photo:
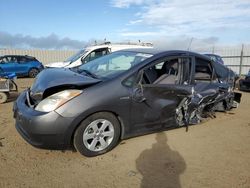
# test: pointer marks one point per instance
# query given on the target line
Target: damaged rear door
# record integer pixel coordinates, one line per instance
(211, 92)
(162, 87)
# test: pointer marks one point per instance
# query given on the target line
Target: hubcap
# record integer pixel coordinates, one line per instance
(33, 72)
(98, 135)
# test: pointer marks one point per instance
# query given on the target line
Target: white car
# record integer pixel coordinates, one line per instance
(93, 52)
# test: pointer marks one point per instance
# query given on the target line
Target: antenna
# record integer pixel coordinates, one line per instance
(190, 43)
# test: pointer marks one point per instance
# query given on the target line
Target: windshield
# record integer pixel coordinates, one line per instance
(76, 56)
(113, 64)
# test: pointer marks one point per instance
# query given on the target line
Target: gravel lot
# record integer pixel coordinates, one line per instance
(215, 153)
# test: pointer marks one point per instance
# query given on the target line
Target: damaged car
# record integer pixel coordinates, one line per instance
(245, 83)
(121, 95)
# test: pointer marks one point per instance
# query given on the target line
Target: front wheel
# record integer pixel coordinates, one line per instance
(33, 72)
(3, 97)
(97, 134)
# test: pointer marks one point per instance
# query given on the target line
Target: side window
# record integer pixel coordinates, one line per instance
(203, 70)
(22, 59)
(221, 71)
(213, 58)
(168, 71)
(3, 60)
(8, 59)
(12, 59)
(130, 80)
(96, 53)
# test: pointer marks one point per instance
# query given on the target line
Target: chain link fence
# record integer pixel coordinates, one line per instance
(45, 56)
(237, 58)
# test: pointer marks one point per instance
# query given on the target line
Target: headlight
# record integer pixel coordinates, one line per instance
(58, 99)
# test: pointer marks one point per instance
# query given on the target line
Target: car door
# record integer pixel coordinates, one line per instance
(9, 64)
(162, 87)
(24, 64)
(3, 65)
(206, 84)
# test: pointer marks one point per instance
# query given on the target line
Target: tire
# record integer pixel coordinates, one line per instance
(97, 134)
(3, 97)
(33, 72)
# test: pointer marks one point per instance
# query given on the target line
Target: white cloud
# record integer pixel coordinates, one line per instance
(132, 22)
(194, 17)
(183, 42)
(141, 34)
(51, 41)
(178, 13)
(126, 3)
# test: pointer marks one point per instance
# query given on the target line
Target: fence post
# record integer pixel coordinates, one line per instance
(241, 59)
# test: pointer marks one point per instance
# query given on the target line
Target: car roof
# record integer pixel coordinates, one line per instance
(212, 55)
(18, 56)
(122, 46)
(155, 51)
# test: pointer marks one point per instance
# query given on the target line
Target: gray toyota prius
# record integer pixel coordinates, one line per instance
(124, 94)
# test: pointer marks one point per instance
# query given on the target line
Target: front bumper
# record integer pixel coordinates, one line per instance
(40, 129)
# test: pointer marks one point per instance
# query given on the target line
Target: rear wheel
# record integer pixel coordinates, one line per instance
(97, 134)
(3, 97)
(33, 72)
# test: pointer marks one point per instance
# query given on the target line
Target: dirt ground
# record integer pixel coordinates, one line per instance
(215, 153)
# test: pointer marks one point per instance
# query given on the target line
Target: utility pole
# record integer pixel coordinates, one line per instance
(190, 43)
(241, 59)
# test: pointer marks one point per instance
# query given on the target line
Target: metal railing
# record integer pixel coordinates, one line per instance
(239, 67)
(237, 58)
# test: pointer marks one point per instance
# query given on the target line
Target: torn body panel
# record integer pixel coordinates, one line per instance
(54, 80)
(159, 106)
(194, 108)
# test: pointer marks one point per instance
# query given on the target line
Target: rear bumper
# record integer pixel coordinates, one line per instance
(43, 130)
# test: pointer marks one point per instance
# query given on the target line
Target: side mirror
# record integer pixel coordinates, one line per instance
(138, 95)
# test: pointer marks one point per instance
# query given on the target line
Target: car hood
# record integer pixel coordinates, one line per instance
(50, 81)
(57, 64)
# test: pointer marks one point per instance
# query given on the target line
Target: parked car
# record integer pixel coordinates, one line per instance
(118, 96)
(20, 65)
(92, 52)
(245, 83)
(216, 58)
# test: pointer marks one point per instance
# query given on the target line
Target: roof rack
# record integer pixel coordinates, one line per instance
(139, 43)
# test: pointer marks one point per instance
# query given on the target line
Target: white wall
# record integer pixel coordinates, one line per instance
(45, 56)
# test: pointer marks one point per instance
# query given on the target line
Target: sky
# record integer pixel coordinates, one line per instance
(73, 24)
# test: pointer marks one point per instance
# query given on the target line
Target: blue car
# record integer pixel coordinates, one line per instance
(21, 65)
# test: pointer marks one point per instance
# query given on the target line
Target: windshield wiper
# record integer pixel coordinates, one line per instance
(87, 73)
